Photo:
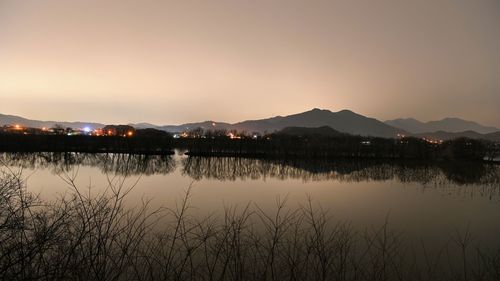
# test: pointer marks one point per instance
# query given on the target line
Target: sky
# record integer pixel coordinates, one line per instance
(170, 62)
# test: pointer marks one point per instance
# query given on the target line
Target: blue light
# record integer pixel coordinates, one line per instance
(86, 130)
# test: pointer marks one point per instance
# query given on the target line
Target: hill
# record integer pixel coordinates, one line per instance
(11, 120)
(206, 125)
(451, 125)
(320, 121)
(441, 135)
(493, 136)
(301, 131)
(344, 121)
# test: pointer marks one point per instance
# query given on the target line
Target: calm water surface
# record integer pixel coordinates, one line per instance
(422, 201)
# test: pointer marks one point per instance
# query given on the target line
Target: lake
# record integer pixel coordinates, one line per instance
(420, 200)
(425, 205)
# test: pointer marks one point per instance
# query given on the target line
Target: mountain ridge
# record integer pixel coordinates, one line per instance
(448, 124)
(6, 119)
(343, 121)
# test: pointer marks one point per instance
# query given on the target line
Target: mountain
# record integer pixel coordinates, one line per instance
(11, 120)
(493, 136)
(301, 131)
(206, 125)
(408, 124)
(344, 121)
(319, 120)
(442, 135)
(144, 125)
(452, 125)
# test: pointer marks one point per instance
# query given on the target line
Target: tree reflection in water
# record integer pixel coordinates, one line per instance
(484, 178)
(112, 163)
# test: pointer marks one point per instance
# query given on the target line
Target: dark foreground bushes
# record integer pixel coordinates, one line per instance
(82, 237)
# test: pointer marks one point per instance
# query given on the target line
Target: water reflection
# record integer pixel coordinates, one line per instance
(226, 168)
(119, 164)
(231, 169)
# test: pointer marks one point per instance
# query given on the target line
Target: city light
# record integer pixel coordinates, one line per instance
(233, 136)
(98, 132)
(87, 130)
(432, 141)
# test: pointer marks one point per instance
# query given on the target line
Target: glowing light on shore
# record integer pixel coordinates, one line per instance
(233, 136)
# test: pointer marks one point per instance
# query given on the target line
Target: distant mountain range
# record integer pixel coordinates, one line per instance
(11, 120)
(344, 121)
(451, 125)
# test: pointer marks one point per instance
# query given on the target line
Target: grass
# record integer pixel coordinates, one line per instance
(85, 236)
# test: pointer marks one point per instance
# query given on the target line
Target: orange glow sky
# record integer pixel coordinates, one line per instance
(166, 62)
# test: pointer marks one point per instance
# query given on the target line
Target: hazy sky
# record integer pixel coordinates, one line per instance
(177, 61)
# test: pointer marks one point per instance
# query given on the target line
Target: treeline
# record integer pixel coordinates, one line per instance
(284, 146)
(151, 141)
(143, 144)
